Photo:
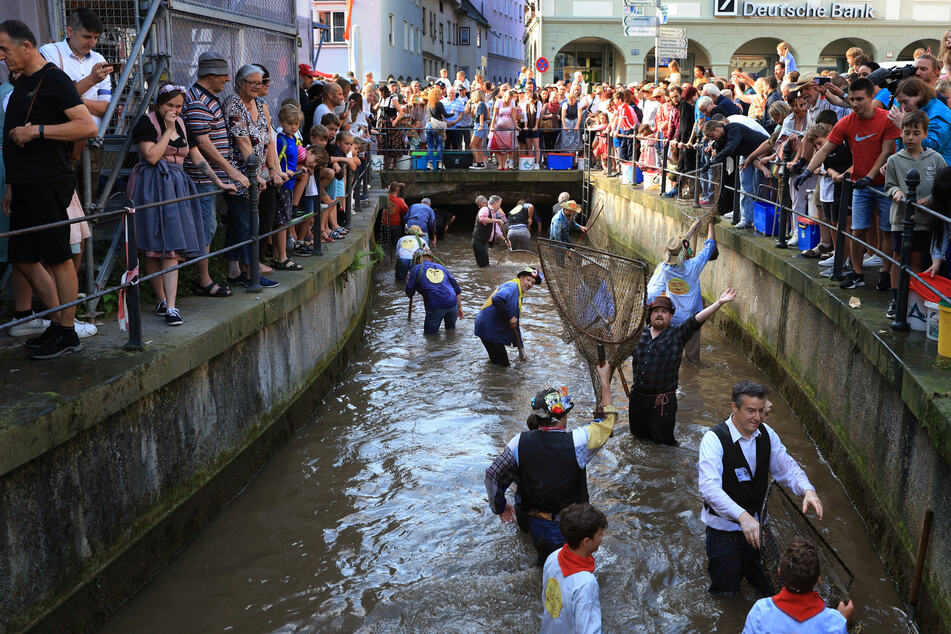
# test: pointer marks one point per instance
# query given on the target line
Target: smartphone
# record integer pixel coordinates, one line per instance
(823, 80)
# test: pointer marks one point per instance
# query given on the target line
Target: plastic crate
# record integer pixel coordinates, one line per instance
(559, 161)
(765, 218)
(808, 234)
(419, 160)
(454, 160)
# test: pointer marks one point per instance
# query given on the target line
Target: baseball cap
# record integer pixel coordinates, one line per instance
(306, 70)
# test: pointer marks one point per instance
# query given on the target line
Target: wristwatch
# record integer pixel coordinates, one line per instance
(42, 131)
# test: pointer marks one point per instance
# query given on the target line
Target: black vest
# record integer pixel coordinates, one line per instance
(751, 493)
(519, 217)
(549, 476)
(482, 232)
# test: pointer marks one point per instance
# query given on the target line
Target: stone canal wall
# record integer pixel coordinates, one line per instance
(100, 488)
(873, 400)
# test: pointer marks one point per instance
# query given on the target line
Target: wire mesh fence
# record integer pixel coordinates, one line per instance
(275, 11)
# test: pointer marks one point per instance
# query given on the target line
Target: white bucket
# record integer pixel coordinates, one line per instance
(627, 173)
(404, 162)
(917, 313)
(582, 163)
(376, 162)
(526, 163)
(932, 312)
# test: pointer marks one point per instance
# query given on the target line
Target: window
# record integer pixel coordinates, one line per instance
(424, 20)
(336, 20)
(432, 25)
(391, 31)
(405, 35)
(419, 40)
(448, 32)
(464, 36)
(479, 38)
(441, 33)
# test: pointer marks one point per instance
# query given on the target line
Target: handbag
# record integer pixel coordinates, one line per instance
(437, 124)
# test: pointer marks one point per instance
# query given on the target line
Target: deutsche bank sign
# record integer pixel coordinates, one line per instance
(740, 8)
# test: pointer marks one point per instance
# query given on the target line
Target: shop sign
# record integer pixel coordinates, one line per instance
(786, 10)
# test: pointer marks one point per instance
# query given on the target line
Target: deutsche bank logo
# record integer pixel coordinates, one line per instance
(725, 7)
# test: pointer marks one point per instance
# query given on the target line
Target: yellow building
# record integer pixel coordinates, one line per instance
(589, 35)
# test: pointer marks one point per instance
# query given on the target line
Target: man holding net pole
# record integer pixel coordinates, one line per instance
(656, 367)
(497, 323)
(737, 458)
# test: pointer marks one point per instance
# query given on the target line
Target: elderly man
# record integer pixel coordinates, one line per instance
(737, 458)
(487, 231)
(563, 222)
(43, 111)
(422, 215)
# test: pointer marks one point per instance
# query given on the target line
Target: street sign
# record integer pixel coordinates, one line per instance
(641, 10)
(640, 31)
(634, 20)
(639, 3)
(671, 42)
(671, 31)
(674, 53)
(541, 65)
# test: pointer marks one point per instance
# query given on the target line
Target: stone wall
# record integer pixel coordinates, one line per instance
(872, 401)
(91, 516)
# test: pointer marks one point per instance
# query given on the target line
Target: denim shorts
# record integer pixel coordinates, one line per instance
(209, 216)
(865, 202)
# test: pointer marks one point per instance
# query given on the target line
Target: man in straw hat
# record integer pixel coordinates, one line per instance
(497, 322)
(678, 277)
(442, 296)
(563, 222)
(656, 365)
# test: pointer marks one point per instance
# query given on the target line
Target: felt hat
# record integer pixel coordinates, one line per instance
(532, 272)
(674, 247)
(661, 301)
(212, 63)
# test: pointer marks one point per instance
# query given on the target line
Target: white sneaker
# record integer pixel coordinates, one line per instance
(793, 241)
(871, 261)
(829, 261)
(35, 327)
(84, 328)
(743, 225)
(728, 216)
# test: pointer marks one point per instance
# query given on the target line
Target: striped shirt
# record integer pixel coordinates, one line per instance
(203, 115)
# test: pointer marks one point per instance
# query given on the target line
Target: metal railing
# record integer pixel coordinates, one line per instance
(355, 184)
(787, 215)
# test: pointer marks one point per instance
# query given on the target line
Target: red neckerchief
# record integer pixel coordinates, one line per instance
(799, 606)
(571, 563)
(552, 428)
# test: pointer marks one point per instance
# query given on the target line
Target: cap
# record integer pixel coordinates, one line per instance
(533, 272)
(804, 80)
(661, 301)
(306, 70)
(550, 402)
(213, 63)
(658, 92)
(571, 206)
(674, 246)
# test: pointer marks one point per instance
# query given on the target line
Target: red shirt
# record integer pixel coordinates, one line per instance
(396, 211)
(865, 138)
(628, 118)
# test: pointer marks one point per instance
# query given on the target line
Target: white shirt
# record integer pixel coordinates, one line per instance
(78, 68)
(574, 599)
(649, 108)
(710, 466)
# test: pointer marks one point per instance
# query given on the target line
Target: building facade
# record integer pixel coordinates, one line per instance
(506, 43)
(589, 35)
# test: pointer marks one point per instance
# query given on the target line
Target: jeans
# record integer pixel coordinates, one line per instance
(403, 265)
(624, 145)
(436, 316)
(239, 228)
(434, 143)
(546, 537)
(209, 215)
(749, 184)
(730, 558)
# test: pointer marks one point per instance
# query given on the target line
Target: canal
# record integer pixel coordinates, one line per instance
(374, 516)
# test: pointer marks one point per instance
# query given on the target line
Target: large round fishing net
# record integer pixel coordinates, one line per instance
(782, 519)
(600, 299)
(688, 197)
(518, 257)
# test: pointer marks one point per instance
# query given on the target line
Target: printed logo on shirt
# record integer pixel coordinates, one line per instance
(859, 139)
(553, 598)
(742, 474)
(678, 286)
(408, 242)
(434, 275)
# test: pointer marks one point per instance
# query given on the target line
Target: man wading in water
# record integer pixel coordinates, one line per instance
(549, 462)
(497, 322)
(656, 366)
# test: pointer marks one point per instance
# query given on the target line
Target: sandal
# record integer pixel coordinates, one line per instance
(287, 265)
(206, 291)
(817, 251)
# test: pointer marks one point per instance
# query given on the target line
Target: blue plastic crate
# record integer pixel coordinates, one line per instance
(808, 234)
(765, 220)
(419, 160)
(557, 161)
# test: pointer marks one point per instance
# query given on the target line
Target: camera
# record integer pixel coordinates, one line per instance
(891, 77)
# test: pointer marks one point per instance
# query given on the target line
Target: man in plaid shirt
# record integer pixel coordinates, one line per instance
(656, 365)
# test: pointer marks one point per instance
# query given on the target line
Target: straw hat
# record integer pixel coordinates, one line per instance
(571, 206)
(804, 80)
(674, 247)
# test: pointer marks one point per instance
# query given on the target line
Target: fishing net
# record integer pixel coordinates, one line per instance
(518, 257)
(600, 299)
(783, 520)
(595, 238)
(687, 202)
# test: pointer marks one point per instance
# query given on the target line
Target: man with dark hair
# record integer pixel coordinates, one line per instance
(736, 459)
(656, 364)
(870, 135)
(779, 72)
(44, 110)
(569, 587)
(305, 75)
(798, 607)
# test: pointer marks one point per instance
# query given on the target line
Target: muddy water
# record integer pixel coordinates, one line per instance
(374, 517)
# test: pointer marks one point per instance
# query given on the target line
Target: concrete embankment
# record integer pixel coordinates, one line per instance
(875, 401)
(111, 461)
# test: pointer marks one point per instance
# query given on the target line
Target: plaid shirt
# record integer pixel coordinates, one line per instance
(656, 361)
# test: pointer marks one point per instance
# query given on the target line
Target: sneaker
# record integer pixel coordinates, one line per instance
(84, 329)
(829, 261)
(743, 224)
(441, 165)
(267, 283)
(509, 164)
(892, 311)
(62, 341)
(161, 308)
(476, 166)
(173, 317)
(670, 193)
(793, 241)
(35, 327)
(884, 281)
(827, 272)
(728, 216)
(38, 342)
(871, 261)
(852, 280)
(429, 166)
